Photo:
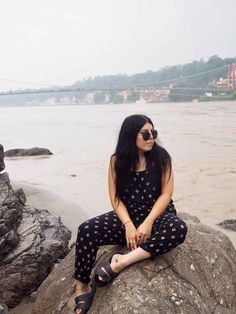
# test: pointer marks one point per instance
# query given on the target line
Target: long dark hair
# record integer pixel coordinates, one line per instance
(158, 160)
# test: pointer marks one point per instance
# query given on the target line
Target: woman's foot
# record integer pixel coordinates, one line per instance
(80, 290)
(117, 264)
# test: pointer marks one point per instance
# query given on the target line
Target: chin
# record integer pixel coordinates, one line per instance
(147, 149)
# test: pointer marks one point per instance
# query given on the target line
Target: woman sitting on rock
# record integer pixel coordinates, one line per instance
(144, 217)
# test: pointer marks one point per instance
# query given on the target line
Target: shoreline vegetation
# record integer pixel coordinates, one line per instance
(229, 97)
(196, 81)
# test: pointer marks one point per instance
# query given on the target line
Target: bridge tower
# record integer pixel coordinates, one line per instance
(231, 77)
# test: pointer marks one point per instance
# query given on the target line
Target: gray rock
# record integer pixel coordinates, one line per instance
(228, 224)
(198, 276)
(35, 151)
(31, 241)
(11, 206)
(2, 165)
(43, 239)
(3, 308)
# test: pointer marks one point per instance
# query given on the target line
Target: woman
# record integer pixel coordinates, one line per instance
(144, 217)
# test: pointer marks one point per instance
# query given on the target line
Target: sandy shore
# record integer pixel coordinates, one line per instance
(71, 213)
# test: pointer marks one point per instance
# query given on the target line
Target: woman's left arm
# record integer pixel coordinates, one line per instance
(144, 230)
(163, 200)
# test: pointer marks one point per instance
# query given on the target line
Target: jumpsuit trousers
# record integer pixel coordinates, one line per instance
(168, 231)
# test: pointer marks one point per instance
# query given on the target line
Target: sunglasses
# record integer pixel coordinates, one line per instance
(146, 134)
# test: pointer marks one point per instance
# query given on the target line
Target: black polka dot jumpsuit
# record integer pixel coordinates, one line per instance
(168, 230)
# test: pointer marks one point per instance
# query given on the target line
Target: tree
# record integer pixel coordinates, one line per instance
(99, 97)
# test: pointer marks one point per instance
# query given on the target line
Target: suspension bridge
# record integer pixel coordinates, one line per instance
(148, 86)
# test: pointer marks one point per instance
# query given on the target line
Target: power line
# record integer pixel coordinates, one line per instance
(184, 77)
(25, 82)
(98, 90)
(133, 87)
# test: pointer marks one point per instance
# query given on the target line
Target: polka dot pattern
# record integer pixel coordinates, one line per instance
(168, 230)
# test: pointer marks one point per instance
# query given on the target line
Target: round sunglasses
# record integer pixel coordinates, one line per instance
(146, 134)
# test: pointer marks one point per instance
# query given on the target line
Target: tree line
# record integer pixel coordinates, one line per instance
(197, 74)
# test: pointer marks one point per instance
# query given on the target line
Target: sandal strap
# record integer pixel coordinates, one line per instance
(110, 271)
(104, 273)
(81, 306)
(86, 298)
(82, 297)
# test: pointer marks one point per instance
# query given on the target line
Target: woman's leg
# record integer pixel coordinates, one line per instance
(101, 230)
(168, 232)
(120, 262)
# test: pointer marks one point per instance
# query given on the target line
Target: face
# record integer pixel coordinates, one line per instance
(145, 146)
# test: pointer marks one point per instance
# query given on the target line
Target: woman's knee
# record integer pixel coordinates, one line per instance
(84, 227)
(181, 229)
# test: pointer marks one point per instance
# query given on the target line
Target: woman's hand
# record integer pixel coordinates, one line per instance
(130, 233)
(143, 232)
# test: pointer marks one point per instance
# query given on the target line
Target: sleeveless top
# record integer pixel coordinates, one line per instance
(140, 193)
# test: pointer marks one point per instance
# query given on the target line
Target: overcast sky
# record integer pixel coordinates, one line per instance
(61, 41)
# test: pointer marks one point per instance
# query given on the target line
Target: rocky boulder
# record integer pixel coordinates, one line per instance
(199, 276)
(35, 151)
(228, 224)
(31, 241)
(2, 165)
(3, 308)
(43, 240)
(11, 207)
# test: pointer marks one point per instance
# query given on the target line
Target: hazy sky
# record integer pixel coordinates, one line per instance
(61, 41)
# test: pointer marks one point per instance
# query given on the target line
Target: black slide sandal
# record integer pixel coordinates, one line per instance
(107, 274)
(84, 301)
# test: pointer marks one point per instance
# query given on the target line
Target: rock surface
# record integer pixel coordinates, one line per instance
(2, 165)
(228, 224)
(3, 308)
(11, 207)
(35, 151)
(199, 276)
(31, 241)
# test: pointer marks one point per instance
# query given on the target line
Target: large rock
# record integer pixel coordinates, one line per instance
(11, 206)
(2, 165)
(35, 151)
(3, 307)
(199, 276)
(43, 240)
(228, 224)
(31, 241)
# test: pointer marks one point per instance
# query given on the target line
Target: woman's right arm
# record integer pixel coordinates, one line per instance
(118, 205)
(120, 208)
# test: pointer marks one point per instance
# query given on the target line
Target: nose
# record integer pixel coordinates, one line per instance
(151, 135)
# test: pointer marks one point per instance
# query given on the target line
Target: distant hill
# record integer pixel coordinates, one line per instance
(182, 82)
(166, 75)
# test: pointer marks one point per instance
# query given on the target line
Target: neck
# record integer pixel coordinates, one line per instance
(141, 156)
(142, 161)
